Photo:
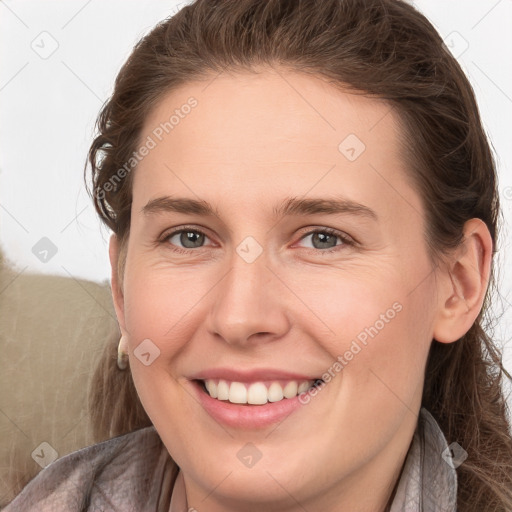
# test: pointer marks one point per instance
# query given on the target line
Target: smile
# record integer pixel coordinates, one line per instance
(256, 393)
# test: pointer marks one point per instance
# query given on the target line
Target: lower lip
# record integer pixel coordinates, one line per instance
(246, 416)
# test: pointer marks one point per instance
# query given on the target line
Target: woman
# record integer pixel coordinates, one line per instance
(304, 210)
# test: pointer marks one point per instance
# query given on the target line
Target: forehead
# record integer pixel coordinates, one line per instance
(270, 114)
(255, 133)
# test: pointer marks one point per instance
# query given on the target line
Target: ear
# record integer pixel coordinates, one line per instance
(117, 287)
(464, 283)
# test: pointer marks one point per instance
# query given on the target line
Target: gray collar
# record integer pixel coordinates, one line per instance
(429, 478)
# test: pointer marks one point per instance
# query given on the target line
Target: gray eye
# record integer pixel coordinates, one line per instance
(321, 239)
(189, 239)
(325, 240)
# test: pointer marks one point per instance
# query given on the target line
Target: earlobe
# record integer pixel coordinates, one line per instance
(116, 285)
(465, 283)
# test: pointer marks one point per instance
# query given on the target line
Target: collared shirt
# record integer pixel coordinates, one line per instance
(429, 479)
(134, 472)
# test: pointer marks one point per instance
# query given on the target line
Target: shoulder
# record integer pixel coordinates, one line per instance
(119, 474)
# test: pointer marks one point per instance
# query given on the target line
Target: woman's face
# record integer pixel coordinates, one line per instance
(258, 293)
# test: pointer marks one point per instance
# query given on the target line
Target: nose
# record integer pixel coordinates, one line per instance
(250, 304)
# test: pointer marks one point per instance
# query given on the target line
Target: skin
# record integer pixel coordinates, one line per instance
(251, 142)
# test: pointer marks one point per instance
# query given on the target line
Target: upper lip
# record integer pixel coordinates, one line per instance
(253, 375)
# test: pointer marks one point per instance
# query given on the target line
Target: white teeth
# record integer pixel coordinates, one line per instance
(290, 390)
(222, 390)
(256, 393)
(211, 386)
(237, 393)
(302, 387)
(275, 392)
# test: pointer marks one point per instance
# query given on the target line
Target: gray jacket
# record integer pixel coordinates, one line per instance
(134, 472)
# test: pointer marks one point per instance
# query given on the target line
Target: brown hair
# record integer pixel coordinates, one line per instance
(380, 48)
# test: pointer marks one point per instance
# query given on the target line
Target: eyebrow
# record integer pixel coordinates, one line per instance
(289, 207)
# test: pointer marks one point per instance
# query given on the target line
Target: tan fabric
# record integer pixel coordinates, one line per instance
(134, 472)
(52, 330)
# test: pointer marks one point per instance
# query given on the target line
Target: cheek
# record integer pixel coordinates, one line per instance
(158, 302)
(349, 304)
(381, 343)
(378, 330)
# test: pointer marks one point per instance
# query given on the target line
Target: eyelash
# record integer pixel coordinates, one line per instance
(344, 238)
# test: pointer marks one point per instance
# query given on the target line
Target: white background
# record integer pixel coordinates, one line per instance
(48, 107)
